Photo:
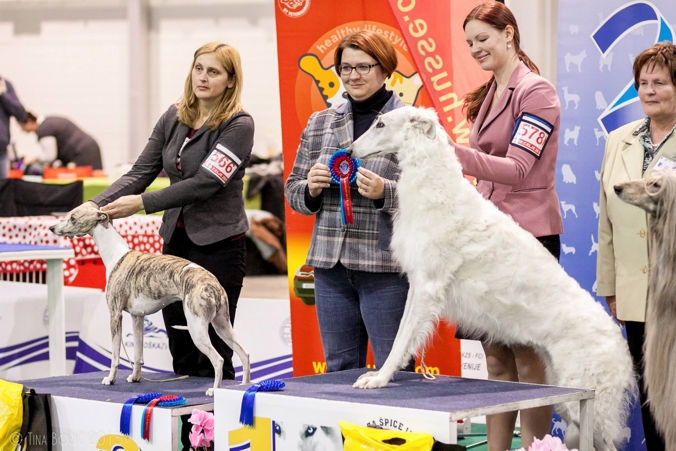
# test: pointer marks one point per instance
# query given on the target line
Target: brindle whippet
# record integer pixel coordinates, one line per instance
(142, 284)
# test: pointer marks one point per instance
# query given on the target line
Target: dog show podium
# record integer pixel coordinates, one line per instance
(309, 408)
(86, 414)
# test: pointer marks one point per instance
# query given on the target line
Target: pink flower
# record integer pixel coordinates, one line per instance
(548, 443)
(209, 434)
(202, 432)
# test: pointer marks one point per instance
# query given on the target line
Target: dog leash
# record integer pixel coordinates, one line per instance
(171, 379)
(427, 374)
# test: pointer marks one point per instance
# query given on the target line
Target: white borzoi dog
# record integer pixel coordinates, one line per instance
(470, 263)
(142, 284)
(657, 196)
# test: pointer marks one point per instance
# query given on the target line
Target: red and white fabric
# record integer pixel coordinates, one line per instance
(140, 231)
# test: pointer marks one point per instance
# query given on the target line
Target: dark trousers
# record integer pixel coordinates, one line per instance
(635, 339)
(226, 260)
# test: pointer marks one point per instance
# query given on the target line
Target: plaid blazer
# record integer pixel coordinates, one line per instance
(364, 245)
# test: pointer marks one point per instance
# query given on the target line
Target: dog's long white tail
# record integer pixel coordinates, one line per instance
(609, 375)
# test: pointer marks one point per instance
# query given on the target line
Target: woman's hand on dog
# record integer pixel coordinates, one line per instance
(318, 178)
(370, 184)
(124, 206)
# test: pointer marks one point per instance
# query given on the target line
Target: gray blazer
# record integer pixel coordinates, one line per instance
(364, 245)
(73, 144)
(209, 193)
(9, 106)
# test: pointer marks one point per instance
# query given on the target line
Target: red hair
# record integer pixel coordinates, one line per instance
(498, 16)
(371, 43)
(661, 54)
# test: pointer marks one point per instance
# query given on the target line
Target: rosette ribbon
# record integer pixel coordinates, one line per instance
(246, 414)
(162, 401)
(344, 172)
(125, 415)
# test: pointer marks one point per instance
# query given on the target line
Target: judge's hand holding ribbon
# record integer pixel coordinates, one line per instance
(318, 178)
(370, 184)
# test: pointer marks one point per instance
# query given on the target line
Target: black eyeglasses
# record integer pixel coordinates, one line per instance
(362, 69)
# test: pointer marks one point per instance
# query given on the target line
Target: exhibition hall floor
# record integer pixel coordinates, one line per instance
(266, 287)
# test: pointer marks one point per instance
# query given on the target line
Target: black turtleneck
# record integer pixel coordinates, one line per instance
(364, 111)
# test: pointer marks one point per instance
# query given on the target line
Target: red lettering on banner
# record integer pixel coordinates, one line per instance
(427, 29)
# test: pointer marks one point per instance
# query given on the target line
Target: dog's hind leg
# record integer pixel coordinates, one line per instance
(224, 330)
(199, 332)
(116, 332)
(137, 322)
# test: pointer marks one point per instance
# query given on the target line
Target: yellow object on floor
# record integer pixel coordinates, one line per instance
(11, 414)
(358, 438)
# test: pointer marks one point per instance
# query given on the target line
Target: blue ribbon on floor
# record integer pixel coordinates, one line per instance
(125, 416)
(246, 415)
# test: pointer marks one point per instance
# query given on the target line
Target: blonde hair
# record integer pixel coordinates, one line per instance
(231, 103)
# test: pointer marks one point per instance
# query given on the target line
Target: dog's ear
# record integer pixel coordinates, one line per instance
(427, 127)
(103, 219)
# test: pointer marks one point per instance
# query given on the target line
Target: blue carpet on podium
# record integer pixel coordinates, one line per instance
(88, 386)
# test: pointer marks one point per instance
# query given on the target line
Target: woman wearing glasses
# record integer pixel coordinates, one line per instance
(359, 292)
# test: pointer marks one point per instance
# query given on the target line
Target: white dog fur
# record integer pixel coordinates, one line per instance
(141, 284)
(470, 263)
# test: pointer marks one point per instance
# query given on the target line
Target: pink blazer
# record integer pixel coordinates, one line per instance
(513, 152)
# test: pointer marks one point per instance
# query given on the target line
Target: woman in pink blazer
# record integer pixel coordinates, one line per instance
(512, 152)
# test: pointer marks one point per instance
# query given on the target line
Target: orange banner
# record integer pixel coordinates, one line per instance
(445, 65)
(307, 33)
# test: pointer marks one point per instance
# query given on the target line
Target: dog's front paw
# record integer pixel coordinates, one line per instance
(210, 392)
(372, 379)
(132, 378)
(368, 374)
(107, 381)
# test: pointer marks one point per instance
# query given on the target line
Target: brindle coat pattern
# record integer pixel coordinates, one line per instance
(164, 278)
(142, 284)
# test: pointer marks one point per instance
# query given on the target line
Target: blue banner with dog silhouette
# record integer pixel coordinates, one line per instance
(597, 44)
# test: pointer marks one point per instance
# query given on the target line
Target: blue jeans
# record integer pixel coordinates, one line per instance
(354, 307)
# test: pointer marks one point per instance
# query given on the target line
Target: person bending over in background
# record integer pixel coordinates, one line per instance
(203, 143)
(632, 151)
(9, 106)
(517, 173)
(359, 292)
(62, 140)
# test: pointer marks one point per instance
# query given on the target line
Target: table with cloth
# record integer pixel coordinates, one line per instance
(140, 231)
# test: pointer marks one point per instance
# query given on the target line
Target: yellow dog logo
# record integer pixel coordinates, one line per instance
(333, 92)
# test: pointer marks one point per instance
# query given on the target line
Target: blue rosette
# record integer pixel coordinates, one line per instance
(246, 415)
(125, 415)
(343, 170)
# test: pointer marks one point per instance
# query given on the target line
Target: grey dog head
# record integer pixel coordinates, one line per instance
(81, 221)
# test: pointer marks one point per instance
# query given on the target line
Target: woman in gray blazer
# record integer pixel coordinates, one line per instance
(204, 219)
(359, 293)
